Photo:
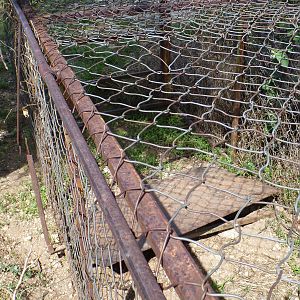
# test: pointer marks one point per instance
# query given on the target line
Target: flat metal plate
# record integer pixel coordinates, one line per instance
(193, 199)
(220, 194)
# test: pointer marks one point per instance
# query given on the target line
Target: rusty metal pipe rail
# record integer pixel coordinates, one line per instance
(182, 270)
(143, 277)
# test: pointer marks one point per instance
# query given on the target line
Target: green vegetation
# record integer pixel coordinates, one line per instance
(163, 131)
(295, 267)
(32, 278)
(23, 202)
(53, 6)
(89, 61)
(280, 56)
(220, 287)
(16, 270)
(147, 138)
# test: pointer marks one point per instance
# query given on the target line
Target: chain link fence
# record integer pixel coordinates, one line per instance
(85, 210)
(193, 106)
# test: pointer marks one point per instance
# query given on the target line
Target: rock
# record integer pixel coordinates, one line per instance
(276, 247)
(28, 238)
(229, 234)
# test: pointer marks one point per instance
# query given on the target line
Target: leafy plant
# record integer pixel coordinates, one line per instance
(220, 287)
(280, 56)
(268, 88)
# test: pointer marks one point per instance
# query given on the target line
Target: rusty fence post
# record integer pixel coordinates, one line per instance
(37, 193)
(18, 84)
(165, 48)
(236, 106)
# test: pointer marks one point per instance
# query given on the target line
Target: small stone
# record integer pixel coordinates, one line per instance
(276, 247)
(229, 234)
(28, 238)
(55, 237)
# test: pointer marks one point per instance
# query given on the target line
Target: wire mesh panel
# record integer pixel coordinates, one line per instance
(81, 221)
(203, 100)
(203, 97)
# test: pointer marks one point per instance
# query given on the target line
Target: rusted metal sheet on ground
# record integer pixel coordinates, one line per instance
(179, 265)
(222, 194)
(143, 277)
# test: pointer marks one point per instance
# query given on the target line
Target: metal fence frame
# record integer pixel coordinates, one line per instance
(186, 277)
(143, 277)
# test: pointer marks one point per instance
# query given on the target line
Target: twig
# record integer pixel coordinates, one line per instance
(25, 267)
(2, 58)
(7, 115)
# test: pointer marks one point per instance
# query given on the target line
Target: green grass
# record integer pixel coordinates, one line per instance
(12, 272)
(89, 61)
(53, 6)
(219, 287)
(23, 202)
(16, 270)
(295, 267)
(159, 133)
(165, 132)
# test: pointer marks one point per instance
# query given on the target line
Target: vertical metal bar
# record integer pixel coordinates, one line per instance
(36, 189)
(18, 84)
(236, 107)
(165, 46)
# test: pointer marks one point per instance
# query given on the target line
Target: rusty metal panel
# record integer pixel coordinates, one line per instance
(221, 195)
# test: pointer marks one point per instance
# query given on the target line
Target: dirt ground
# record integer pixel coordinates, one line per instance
(249, 267)
(45, 276)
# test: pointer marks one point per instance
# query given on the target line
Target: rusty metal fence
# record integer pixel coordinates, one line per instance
(191, 111)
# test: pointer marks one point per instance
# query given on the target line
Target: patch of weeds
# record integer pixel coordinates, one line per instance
(220, 287)
(295, 267)
(164, 131)
(91, 60)
(4, 84)
(16, 270)
(23, 202)
(53, 6)
(167, 131)
(12, 273)
(288, 196)
(280, 56)
(280, 233)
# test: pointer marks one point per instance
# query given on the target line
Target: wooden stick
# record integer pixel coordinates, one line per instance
(25, 267)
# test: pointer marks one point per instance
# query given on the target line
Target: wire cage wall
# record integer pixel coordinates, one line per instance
(191, 109)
